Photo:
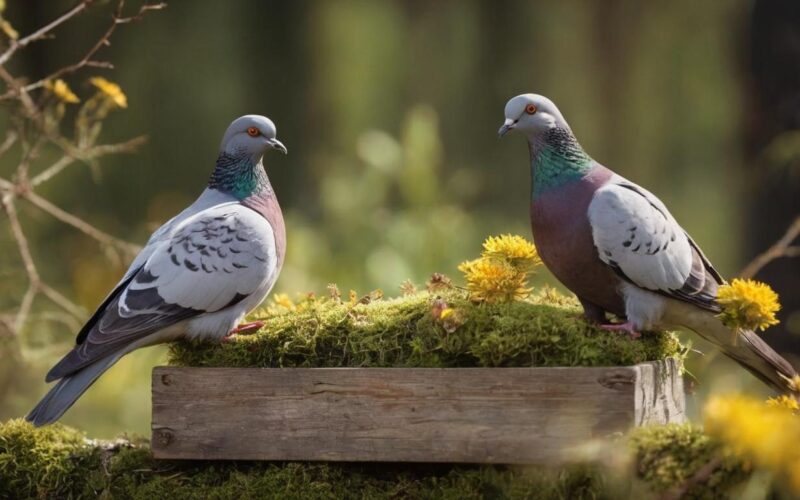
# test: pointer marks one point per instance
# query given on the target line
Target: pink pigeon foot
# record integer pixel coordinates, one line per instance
(627, 327)
(243, 328)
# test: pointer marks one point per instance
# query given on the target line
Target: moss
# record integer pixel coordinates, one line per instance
(58, 462)
(546, 330)
(667, 456)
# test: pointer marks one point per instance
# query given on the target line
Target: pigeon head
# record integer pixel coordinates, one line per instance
(531, 114)
(252, 136)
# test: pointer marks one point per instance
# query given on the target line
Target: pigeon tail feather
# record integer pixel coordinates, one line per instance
(748, 349)
(64, 394)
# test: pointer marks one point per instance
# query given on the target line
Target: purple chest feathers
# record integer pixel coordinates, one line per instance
(563, 237)
(267, 205)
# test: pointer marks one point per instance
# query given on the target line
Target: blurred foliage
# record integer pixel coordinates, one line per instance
(389, 110)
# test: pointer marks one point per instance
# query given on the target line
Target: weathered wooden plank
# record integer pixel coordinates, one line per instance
(476, 415)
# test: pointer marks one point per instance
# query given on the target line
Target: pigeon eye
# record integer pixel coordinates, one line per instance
(253, 132)
(530, 109)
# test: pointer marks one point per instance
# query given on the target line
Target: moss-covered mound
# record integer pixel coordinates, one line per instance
(428, 329)
(58, 462)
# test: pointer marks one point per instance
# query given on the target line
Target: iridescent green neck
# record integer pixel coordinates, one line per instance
(556, 160)
(239, 176)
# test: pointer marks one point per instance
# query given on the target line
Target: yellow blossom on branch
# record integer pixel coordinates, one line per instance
(494, 280)
(110, 90)
(748, 304)
(61, 90)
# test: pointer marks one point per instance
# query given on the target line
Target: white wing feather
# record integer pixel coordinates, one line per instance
(635, 234)
(211, 259)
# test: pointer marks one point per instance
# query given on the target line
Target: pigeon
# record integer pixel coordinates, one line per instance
(617, 247)
(198, 275)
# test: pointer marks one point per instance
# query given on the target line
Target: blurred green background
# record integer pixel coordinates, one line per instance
(389, 110)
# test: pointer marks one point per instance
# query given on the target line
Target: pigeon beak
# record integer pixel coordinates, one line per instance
(507, 126)
(276, 144)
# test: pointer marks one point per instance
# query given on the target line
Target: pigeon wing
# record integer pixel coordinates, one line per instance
(212, 261)
(635, 235)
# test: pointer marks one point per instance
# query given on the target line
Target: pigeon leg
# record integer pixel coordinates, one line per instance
(592, 313)
(627, 327)
(244, 327)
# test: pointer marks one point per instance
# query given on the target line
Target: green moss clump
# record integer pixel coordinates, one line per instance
(58, 462)
(546, 330)
(668, 456)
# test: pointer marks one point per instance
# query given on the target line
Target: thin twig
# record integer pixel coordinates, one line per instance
(11, 138)
(92, 153)
(27, 261)
(781, 248)
(79, 223)
(62, 301)
(104, 41)
(43, 31)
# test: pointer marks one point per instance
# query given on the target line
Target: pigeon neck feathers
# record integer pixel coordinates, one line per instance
(557, 159)
(240, 176)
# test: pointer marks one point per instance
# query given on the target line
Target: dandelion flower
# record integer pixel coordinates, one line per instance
(516, 249)
(784, 401)
(748, 304)
(110, 90)
(767, 435)
(494, 280)
(283, 300)
(61, 90)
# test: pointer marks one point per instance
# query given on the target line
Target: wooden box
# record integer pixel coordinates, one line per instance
(458, 415)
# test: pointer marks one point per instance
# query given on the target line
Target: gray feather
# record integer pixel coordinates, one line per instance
(64, 394)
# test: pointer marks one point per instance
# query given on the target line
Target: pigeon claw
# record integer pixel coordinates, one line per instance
(243, 328)
(627, 327)
(248, 327)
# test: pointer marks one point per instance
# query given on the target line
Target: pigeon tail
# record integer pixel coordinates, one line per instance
(64, 394)
(746, 348)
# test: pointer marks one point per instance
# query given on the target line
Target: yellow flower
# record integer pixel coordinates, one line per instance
(494, 280)
(283, 300)
(767, 435)
(515, 249)
(111, 90)
(784, 401)
(61, 90)
(748, 304)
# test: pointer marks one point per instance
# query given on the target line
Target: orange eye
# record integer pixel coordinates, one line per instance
(253, 132)
(530, 109)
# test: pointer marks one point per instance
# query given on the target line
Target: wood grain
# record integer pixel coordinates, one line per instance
(459, 415)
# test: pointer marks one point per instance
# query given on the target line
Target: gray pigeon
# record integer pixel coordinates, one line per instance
(198, 275)
(617, 247)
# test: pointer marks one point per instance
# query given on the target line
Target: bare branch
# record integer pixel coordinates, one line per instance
(27, 261)
(62, 301)
(11, 138)
(43, 31)
(104, 41)
(79, 223)
(781, 248)
(94, 152)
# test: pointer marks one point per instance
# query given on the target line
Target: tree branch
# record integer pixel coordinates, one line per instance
(79, 223)
(43, 31)
(781, 248)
